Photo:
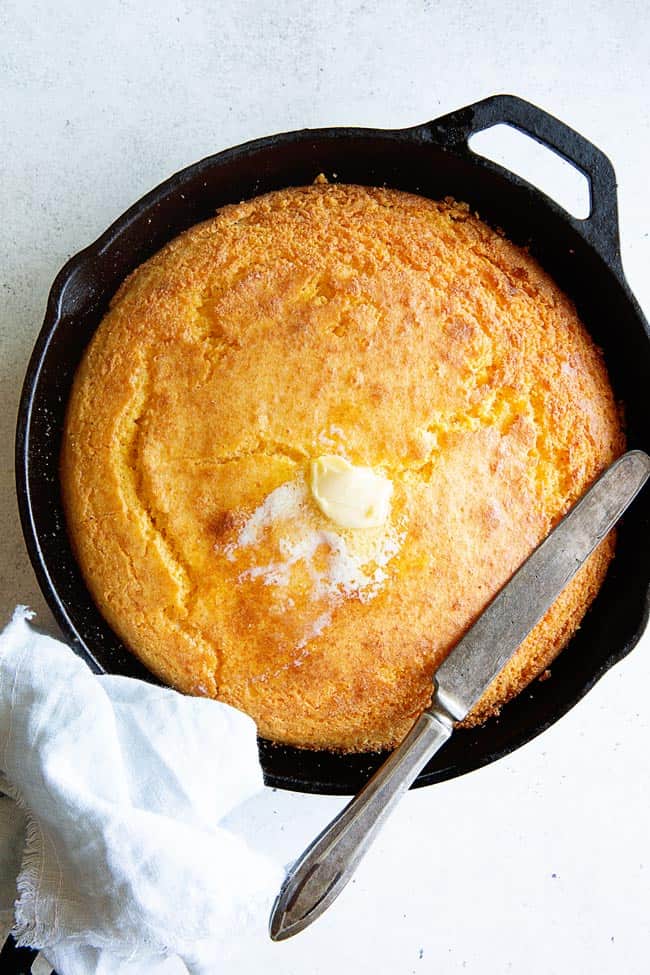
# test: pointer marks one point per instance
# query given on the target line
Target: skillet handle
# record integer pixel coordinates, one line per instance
(600, 228)
(17, 961)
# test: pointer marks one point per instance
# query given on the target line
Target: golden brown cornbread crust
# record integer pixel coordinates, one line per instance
(399, 332)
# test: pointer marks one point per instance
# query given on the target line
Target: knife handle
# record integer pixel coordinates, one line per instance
(325, 867)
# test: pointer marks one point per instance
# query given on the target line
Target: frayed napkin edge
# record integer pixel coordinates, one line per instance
(21, 614)
(26, 930)
(25, 927)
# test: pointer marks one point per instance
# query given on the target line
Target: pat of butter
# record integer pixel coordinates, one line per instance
(353, 497)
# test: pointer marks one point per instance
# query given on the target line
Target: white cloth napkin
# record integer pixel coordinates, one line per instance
(114, 856)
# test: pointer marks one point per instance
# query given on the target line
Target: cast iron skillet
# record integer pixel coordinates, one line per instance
(432, 159)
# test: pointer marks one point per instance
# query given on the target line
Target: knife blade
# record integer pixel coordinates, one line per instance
(488, 645)
(322, 871)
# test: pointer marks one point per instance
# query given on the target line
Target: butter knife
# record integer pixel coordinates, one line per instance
(320, 874)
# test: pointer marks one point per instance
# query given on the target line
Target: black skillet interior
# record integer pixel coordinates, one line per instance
(432, 159)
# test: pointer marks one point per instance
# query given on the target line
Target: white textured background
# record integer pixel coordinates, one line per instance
(539, 864)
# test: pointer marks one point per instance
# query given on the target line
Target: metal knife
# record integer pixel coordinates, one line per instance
(320, 874)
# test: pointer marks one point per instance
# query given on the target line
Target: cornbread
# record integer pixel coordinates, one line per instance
(273, 352)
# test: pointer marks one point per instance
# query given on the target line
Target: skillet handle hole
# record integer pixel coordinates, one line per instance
(536, 163)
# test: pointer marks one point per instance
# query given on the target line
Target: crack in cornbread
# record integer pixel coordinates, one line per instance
(132, 493)
(400, 333)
